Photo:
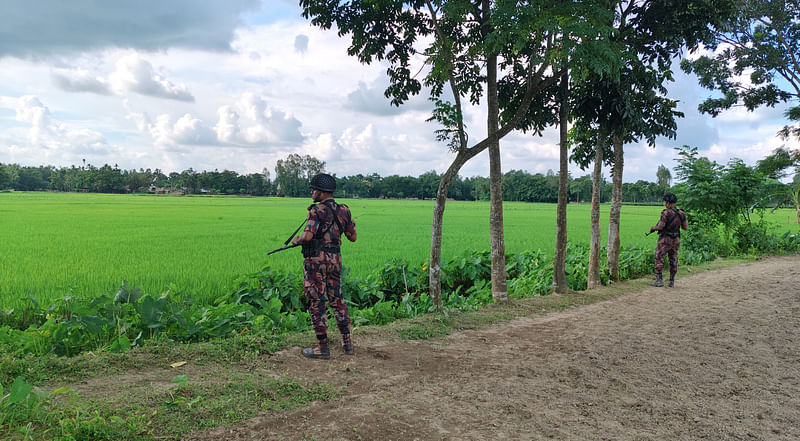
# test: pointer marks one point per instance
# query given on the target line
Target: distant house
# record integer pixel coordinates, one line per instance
(159, 190)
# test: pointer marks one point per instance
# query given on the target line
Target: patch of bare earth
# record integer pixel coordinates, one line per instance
(717, 357)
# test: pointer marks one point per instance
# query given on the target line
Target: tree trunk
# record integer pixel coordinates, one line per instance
(612, 249)
(559, 261)
(593, 278)
(535, 84)
(499, 288)
(435, 271)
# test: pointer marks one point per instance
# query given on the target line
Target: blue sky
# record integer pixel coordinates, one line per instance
(239, 84)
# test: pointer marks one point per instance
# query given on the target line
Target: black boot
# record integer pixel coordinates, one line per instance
(319, 351)
(347, 344)
(671, 281)
(659, 281)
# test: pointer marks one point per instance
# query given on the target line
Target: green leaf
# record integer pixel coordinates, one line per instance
(92, 323)
(19, 391)
(61, 391)
(151, 311)
(120, 344)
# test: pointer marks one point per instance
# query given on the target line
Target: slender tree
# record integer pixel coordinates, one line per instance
(467, 44)
(612, 111)
(663, 177)
(560, 257)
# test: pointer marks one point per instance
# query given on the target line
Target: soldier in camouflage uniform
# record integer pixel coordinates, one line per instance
(322, 266)
(669, 239)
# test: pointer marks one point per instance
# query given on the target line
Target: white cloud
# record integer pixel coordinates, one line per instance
(248, 122)
(134, 73)
(261, 125)
(190, 130)
(227, 127)
(47, 137)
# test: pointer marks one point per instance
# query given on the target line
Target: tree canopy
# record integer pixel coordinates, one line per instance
(755, 61)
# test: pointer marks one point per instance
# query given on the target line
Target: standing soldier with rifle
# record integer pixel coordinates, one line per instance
(322, 266)
(669, 239)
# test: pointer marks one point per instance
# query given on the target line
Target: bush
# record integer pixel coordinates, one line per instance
(703, 237)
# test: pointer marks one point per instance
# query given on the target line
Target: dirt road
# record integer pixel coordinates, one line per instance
(717, 358)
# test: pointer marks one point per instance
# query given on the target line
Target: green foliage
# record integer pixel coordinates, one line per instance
(268, 284)
(757, 65)
(726, 196)
(396, 278)
(703, 237)
(461, 272)
(261, 304)
(23, 405)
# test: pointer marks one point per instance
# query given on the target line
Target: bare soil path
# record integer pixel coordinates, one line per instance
(717, 358)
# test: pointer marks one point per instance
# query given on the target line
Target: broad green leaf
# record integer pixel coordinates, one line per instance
(19, 391)
(120, 344)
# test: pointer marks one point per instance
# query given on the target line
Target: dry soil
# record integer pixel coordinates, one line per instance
(717, 357)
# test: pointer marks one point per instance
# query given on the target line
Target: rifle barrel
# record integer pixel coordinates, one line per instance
(286, 247)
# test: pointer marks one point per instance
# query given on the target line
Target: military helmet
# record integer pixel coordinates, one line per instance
(323, 182)
(671, 198)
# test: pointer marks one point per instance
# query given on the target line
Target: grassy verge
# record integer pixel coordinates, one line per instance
(147, 396)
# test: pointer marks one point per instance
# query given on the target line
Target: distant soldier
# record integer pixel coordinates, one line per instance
(322, 266)
(669, 239)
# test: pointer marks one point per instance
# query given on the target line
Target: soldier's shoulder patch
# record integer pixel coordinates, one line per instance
(312, 207)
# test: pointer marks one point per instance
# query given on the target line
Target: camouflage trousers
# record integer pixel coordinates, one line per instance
(667, 247)
(322, 283)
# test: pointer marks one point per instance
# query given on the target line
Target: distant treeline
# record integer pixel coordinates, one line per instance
(518, 185)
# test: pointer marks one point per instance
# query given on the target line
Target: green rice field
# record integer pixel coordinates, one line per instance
(58, 244)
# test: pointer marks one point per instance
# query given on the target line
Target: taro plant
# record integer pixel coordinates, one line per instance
(266, 285)
(23, 404)
(465, 270)
(397, 277)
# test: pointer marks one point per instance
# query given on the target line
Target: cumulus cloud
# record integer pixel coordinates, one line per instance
(134, 73)
(79, 26)
(248, 122)
(79, 80)
(262, 124)
(49, 134)
(169, 135)
(227, 127)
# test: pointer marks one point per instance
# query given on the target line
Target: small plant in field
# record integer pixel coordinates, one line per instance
(23, 407)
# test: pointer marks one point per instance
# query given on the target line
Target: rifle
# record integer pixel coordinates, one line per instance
(286, 244)
(285, 247)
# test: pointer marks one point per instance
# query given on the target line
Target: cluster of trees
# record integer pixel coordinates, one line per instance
(601, 65)
(518, 185)
(108, 179)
